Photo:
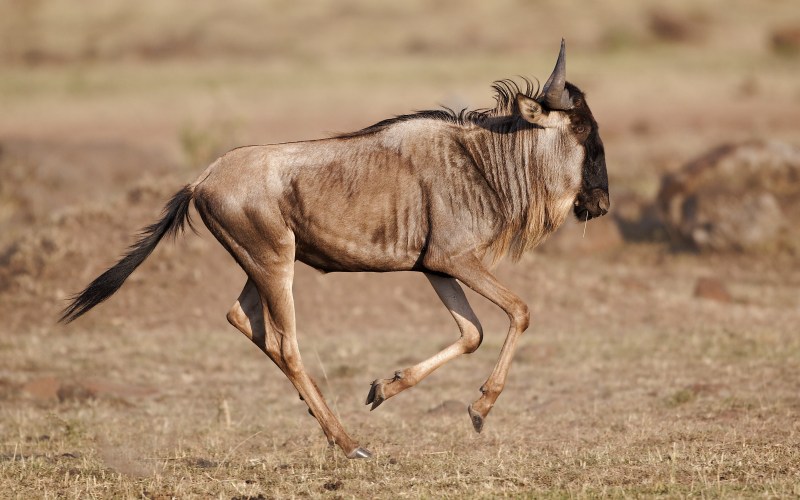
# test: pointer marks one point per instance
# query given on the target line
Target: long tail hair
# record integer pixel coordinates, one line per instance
(173, 219)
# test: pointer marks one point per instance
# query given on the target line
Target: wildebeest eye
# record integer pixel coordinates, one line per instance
(581, 129)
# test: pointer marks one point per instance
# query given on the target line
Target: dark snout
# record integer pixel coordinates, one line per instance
(592, 204)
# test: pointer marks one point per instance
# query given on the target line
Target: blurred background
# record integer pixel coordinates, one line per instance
(108, 106)
(190, 80)
(117, 99)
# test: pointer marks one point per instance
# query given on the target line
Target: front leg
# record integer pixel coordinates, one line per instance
(471, 272)
(452, 296)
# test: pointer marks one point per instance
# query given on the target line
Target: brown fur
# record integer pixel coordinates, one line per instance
(434, 192)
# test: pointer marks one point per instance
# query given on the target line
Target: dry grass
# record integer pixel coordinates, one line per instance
(627, 385)
(600, 402)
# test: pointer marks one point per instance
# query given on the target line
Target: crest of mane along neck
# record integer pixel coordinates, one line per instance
(505, 90)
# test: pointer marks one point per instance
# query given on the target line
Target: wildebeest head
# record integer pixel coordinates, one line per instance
(560, 96)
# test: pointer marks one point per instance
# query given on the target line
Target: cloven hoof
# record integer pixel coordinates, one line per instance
(359, 453)
(477, 419)
(375, 396)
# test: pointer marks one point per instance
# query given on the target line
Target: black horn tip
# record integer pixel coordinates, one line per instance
(554, 94)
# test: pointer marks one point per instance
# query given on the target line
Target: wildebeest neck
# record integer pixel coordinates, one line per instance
(534, 174)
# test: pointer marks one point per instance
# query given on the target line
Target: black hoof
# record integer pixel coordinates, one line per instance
(375, 396)
(477, 419)
(359, 453)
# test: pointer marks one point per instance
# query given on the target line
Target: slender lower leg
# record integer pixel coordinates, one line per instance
(247, 315)
(472, 273)
(451, 294)
(491, 389)
(275, 289)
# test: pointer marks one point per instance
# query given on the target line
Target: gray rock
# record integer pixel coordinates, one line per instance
(737, 197)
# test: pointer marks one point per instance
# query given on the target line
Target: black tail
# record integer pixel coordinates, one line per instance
(175, 215)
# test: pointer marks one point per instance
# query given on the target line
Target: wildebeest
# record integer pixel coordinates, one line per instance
(436, 192)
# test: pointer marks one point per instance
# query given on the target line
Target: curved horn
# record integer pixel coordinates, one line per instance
(555, 97)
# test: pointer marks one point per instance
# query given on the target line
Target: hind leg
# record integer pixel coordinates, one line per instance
(264, 247)
(246, 315)
(270, 324)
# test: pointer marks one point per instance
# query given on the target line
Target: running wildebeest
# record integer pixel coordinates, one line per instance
(436, 192)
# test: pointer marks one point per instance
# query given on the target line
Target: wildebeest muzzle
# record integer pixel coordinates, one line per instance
(592, 204)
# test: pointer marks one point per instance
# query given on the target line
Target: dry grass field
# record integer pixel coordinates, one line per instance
(628, 383)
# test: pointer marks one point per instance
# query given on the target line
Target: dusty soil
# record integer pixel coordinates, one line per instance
(647, 371)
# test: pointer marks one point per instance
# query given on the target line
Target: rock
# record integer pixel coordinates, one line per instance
(737, 197)
(728, 221)
(712, 289)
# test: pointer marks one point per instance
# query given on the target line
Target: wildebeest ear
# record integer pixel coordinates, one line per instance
(529, 109)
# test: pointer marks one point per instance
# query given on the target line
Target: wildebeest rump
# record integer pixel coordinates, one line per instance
(437, 192)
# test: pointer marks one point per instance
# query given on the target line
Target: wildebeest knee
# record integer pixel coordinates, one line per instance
(520, 316)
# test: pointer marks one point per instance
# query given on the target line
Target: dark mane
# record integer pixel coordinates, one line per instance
(505, 94)
(505, 90)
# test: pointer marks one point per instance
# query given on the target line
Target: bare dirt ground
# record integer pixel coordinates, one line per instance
(628, 383)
